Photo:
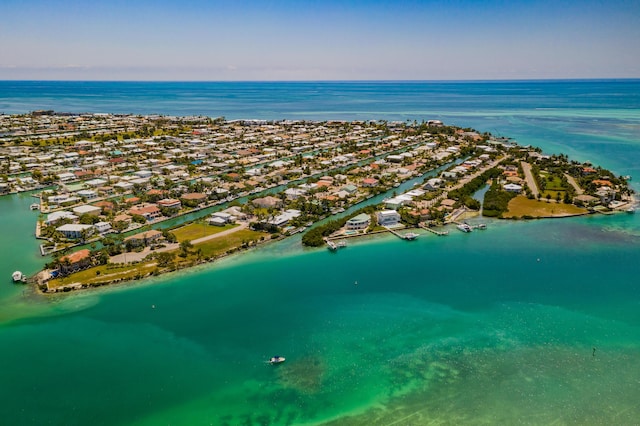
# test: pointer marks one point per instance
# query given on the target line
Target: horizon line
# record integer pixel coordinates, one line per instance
(514, 80)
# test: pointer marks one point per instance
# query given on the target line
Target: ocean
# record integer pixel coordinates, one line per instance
(530, 322)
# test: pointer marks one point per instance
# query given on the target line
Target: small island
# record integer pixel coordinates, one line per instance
(123, 197)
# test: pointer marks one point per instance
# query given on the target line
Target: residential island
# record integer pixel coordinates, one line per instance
(122, 197)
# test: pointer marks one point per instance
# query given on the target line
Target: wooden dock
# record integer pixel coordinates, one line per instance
(408, 237)
(433, 231)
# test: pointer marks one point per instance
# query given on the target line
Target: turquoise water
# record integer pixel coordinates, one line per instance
(491, 327)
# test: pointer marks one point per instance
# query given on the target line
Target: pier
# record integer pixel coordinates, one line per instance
(410, 236)
(433, 231)
(478, 226)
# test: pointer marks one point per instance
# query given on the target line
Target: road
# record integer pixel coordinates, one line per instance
(528, 177)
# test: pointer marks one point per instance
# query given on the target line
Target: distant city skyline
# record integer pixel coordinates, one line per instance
(318, 40)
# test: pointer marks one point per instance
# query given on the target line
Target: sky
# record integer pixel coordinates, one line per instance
(229, 40)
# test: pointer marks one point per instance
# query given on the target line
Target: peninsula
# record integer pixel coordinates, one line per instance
(122, 197)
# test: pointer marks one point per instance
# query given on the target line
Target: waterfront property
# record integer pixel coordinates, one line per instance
(388, 217)
(358, 222)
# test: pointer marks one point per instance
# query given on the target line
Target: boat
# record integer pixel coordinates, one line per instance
(464, 227)
(342, 244)
(482, 226)
(631, 210)
(277, 359)
(34, 206)
(18, 277)
(410, 236)
(331, 245)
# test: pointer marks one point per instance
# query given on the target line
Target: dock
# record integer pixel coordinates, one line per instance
(433, 231)
(410, 236)
(481, 226)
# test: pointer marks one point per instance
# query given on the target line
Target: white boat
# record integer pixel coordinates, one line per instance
(631, 210)
(482, 226)
(410, 236)
(18, 277)
(464, 227)
(342, 244)
(34, 206)
(276, 359)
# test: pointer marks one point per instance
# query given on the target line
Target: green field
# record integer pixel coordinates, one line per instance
(522, 206)
(198, 230)
(219, 246)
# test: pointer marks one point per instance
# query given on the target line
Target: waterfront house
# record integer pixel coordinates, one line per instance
(193, 199)
(358, 222)
(170, 203)
(284, 218)
(433, 184)
(73, 231)
(75, 261)
(148, 211)
(267, 202)
(369, 182)
(54, 217)
(388, 217)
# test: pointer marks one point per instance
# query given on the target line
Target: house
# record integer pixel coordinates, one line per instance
(267, 202)
(585, 200)
(216, 221)
(369, 182)
(143, 238)
(105, 206)
(512, 187)
(295, 193)
(360, 221)
(102, 227)
(90, 210)
(350, 189)
(451, 175)
(606, 194)
(433, 184)
(75, 261)
(124, 186)
(226, 217)
(388, 217)
(170, 203)
(88, 194)
(193, 199)
(73, 231)
(284, 218)
(58, 216)
(148, 211)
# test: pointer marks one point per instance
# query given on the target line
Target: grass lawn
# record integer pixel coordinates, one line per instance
(552, 193)
(218, 246)
(90, 275)
(522, 206)
(198, 230)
